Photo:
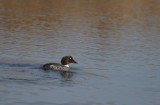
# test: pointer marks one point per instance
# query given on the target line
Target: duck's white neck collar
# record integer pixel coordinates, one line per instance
(66, 65)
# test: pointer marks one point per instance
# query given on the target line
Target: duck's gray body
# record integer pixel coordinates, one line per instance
(55, 66)
(64, 66)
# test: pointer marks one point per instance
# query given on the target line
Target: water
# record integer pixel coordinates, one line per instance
(116, 44)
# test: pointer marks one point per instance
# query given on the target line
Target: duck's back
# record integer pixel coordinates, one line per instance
(55, 66)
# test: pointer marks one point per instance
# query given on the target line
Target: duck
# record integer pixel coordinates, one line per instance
(64, 66)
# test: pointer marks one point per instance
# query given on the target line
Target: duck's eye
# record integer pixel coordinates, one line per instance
(70, 58)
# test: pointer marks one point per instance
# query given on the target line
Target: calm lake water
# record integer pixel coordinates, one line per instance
(115, 42)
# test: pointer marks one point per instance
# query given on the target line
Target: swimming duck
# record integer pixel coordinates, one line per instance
(64, 66)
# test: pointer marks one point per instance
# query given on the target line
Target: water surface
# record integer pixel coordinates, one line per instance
(116, 44)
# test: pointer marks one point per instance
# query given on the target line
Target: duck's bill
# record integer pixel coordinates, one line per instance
(74, 62)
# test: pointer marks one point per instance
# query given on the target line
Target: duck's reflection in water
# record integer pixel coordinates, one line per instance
(66, 74)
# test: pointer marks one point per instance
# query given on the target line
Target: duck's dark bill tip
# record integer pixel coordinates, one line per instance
(76, 63)
(73, 61)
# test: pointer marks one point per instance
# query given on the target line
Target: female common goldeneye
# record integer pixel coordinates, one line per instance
(64, 66)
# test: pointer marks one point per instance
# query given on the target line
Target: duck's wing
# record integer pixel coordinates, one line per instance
(48, 66)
